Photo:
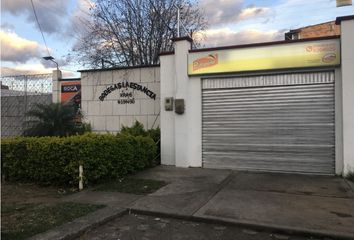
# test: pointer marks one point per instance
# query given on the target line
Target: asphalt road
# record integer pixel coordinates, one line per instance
(141, 227)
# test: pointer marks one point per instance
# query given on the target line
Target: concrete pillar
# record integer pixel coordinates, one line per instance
(56, 86)
(347, 66)
(167, 124)
(182, 142)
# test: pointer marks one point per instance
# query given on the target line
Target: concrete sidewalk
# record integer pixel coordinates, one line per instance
(300, 203)
(319, 205)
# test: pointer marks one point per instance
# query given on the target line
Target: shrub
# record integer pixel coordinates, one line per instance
(138, 130)
(55, 160)
(55, 119)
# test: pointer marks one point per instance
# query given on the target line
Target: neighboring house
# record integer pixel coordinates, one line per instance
(313, 31)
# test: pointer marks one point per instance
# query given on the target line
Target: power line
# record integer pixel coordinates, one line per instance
(39, 26)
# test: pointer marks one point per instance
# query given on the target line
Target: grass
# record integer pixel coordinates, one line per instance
(20, 221)
(132, 185)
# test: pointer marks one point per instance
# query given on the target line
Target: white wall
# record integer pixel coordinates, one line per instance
(167, 117)
(181, 121)
(56, 86)
(180, 134)
(194, 122)
(347, 45)
(338, 122)
(108, 115)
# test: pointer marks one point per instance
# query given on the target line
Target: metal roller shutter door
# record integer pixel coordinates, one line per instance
(270, 123)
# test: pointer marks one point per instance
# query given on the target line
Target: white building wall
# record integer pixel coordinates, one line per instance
(180, 133)
(108, 115)
(167, 117)
(194, 119)
(56, 86)
(347, 45)
(338, 122)
(182, 140)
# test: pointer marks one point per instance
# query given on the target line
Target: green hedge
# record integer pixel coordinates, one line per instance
(55, 160)
(137, 129)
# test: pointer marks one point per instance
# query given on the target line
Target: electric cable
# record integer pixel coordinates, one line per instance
(39, 26)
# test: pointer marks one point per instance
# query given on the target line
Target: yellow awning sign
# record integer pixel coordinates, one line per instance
(280, 56)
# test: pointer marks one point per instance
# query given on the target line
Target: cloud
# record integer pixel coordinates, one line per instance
(29, 69)
(50, 12)
(17, 49)
(230, 11)
(7, 27)
(226, 36)
(24, 70)
(251, 12)
(80, 18)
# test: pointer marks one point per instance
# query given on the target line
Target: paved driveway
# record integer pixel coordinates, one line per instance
(319, 204)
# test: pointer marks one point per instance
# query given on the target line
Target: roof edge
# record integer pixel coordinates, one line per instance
(176, 39)
(262, 44)
(119, 68)
(167, 53)
(344, 18)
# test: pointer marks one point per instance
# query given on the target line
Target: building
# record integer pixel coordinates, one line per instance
(116, 97)
(313, 31)
(282, 106)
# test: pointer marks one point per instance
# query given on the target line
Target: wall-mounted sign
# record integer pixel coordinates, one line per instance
(280, 56)
(342, 3)
(127, 96)
(71, 92)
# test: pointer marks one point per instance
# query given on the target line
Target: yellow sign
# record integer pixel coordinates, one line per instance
(342, 3)
(291, 55)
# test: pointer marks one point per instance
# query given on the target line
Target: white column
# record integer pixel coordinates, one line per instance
(56, 86)
(347, 65)
(167, 121)
(182, 141)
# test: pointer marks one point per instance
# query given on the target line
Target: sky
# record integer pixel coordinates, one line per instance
(230, 22)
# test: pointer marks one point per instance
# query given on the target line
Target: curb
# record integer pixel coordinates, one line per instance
(255, 226)
(77, 227)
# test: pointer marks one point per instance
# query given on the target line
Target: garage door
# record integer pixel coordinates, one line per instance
(270, 123)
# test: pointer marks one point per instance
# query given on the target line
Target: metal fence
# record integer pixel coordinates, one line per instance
(20, 94)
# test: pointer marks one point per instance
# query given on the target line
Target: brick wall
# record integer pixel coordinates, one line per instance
(320, 30)
(108, 115)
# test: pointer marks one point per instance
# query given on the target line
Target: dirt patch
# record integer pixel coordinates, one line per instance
(28, 209)
(21, 193)
(22, 221)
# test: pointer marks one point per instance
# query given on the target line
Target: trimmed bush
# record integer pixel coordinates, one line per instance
(55, 160)
(138, 130)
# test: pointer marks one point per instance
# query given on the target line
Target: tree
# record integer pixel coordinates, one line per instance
(134, 32)
(54, 119)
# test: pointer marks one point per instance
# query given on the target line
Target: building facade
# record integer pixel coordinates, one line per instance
(282, 106)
